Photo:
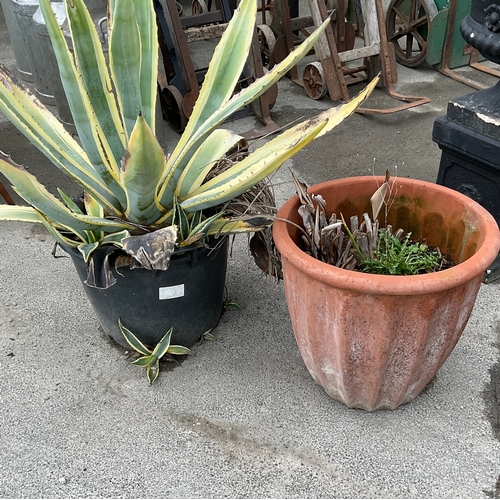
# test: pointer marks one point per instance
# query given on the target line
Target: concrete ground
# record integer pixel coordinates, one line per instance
(242, 417)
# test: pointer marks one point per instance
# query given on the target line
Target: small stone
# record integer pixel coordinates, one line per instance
(62, 480)
(412, 489)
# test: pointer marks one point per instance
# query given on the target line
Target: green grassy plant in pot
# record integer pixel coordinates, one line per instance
(373, 341)
(144, 240)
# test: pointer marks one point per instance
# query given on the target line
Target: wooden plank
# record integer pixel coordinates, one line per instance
(327, 53)
(371, 33)
(205, 32)
(200, 19)
(359, 53)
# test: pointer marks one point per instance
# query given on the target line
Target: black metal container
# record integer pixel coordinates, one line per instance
(470, 144)
(481, 28)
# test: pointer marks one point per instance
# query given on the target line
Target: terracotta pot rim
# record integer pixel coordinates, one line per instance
(382, 284)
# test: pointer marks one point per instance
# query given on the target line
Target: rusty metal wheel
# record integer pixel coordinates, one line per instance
(408, 23)
(173, 109)
(314, 81)
(267, 41)
(198, 7)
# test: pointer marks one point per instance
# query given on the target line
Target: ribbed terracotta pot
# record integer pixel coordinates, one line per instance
(373, 341)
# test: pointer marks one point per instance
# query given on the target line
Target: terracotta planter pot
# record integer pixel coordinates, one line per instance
(372, 341)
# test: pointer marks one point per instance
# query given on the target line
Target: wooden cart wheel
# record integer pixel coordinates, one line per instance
(408, 23)
(198, 7)
(172, 108)
(267, 41)
(314, 81)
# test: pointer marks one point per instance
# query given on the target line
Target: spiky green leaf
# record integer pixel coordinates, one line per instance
(218, 143)
(143, 360)
(115, 238)
(222, 75)
(20, 213)
(152, 371)
(162, 347)
(36, 195)
(86, 249)
(208, 335)
(69, 202)
(92, 66)
(196, 219)
(94, 140)
(134, 59)
(265, 160)
(48, 134)
(196, 133)
(29, 214)
(125, 60)
(146, 21)
(201, 230)
(225, 66)
(133, 341)
(255, 167)
(142, 168)
(179, 350)
(180, 220)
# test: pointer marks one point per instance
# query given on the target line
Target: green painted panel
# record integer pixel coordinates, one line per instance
(442, 4)
(457, 57)
(439, 27)
(435, 41)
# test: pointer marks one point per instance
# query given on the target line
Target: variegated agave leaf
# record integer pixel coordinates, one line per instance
(129, 185)
(151, 359)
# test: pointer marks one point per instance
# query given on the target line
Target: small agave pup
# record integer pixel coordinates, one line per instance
(135, 198)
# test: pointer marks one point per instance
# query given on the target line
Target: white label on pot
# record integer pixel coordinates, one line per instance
(171, 292)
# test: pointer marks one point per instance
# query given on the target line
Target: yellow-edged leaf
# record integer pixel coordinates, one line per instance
(90, 132)
(270, 157)
(47, 133)
(133, 341)
(142, 167)
(193, 136)
(215, 147)
(27, 186)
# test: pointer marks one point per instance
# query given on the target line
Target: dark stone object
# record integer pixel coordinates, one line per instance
(469, 134)
(480, 28)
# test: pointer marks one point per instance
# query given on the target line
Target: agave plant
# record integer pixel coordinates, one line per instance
(135, 197)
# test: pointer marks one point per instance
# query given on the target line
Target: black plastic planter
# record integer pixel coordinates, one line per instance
(188, 296)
